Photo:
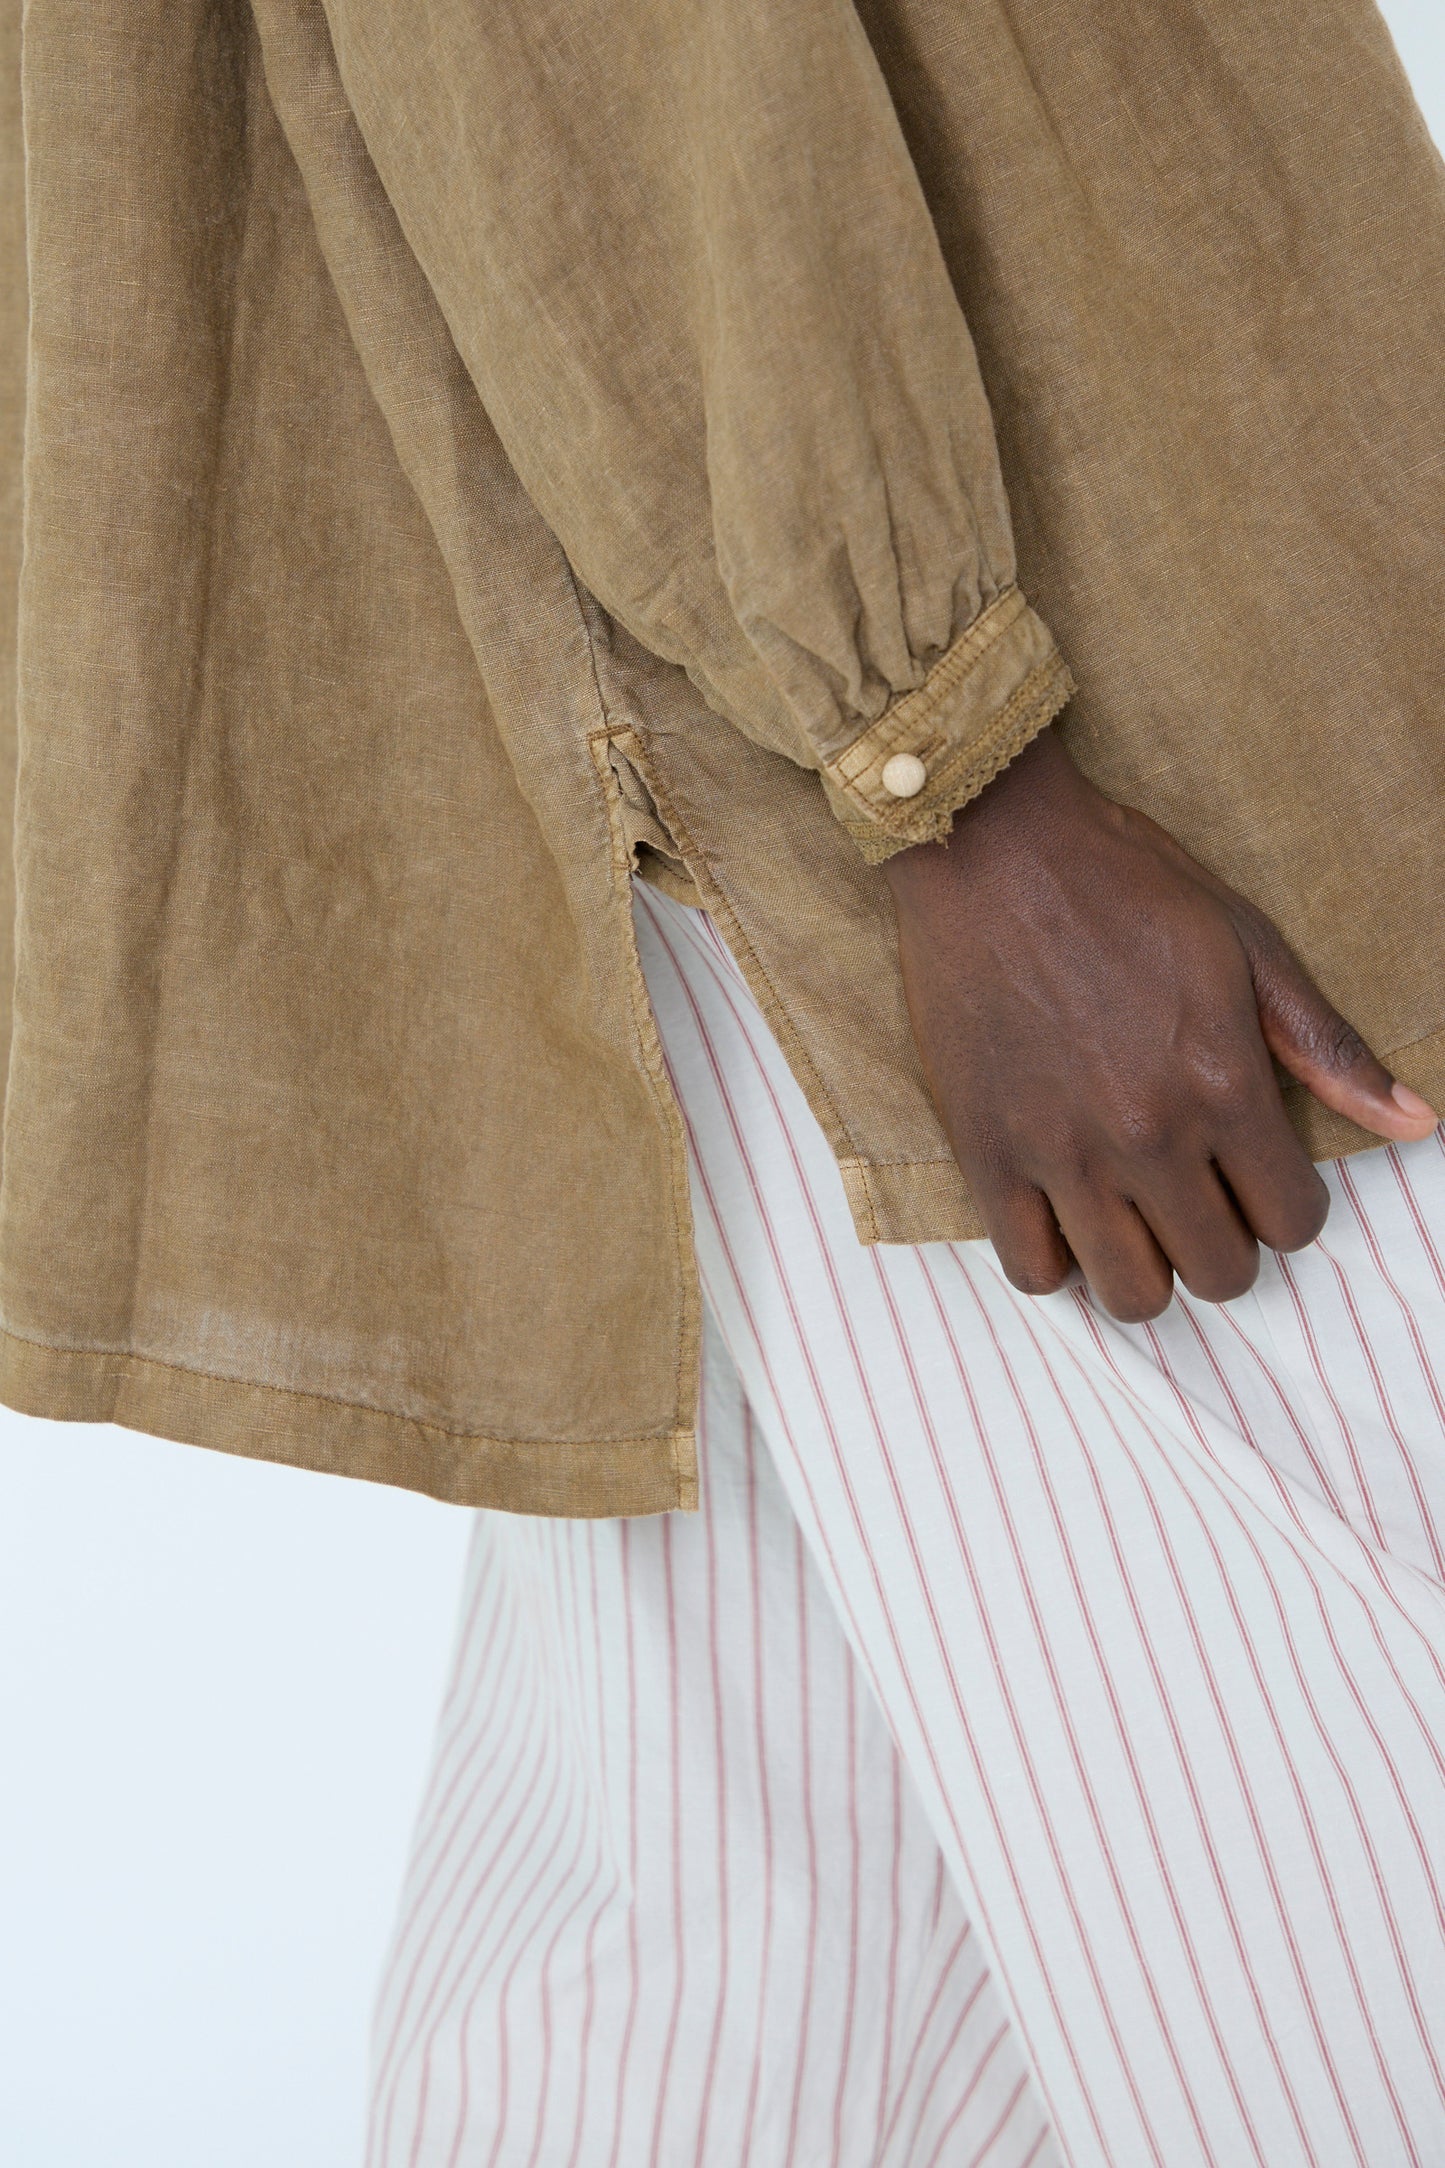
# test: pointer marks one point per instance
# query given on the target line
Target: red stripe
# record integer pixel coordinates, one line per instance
(1034, 2150)
(724, 1911)
(1357, 1466)
(765, 1804)
(1412, 1205)
(1417, 1343)
(482, 1881)
(429, 1821)
(584, 2050)
(945, 2058)
(679, 1942)
(1005, 2113)
(1368, 1556)
(544, 2085)
(624, 1542)
(1387, 1411)
(850, 1997)
(519, 1956)
(805, 1745)
(895, 1887)
(396, 2055)
(920, 2034)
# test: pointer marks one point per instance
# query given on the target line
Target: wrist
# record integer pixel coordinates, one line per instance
(1032, 791)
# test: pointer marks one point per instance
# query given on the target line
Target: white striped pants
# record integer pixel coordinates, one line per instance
(1033, 1753)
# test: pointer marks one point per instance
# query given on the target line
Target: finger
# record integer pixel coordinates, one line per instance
(1277, 1187)
(1202, 1232)
(1316, 1044)
(1117, 1253)
(1025, 1235)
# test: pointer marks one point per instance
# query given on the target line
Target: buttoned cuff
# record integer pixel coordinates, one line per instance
(933, 749)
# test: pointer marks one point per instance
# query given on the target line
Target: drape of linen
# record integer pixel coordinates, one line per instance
(469, 453)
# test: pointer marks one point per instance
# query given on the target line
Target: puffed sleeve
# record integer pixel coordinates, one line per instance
(685, 256)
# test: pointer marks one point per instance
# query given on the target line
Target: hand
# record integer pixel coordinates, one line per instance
(1096, 1015)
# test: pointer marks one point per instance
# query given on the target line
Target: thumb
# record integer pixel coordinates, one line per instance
(1317, 1045)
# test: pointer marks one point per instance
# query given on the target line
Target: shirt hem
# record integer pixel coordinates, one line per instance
(579, 1480)
(910, 1201)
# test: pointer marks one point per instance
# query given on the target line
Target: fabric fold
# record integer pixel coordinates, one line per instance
(708, 314)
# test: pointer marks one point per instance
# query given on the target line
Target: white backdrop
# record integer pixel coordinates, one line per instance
(217, 1686)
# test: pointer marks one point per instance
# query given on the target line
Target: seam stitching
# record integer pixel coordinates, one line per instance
(649, 1047)
(915, 708)
(133, 1359)
(720, 907)
(865, 1165)
(1034, 704)
(913, 711)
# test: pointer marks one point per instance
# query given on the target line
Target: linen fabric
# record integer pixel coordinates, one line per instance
(471, 453)
(1154, 1616)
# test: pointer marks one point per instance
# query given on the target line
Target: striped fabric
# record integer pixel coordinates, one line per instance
(1034, 1752)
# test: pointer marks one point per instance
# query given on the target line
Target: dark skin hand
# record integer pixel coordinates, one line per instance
(1096, 1016)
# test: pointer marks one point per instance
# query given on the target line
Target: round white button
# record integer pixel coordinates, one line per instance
(904, 775)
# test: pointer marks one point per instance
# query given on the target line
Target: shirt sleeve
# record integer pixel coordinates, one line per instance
(684, 255)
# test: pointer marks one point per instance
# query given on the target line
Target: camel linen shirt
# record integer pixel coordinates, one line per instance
(467, 453)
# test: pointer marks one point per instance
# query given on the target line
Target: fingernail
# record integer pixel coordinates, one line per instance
(1411, 1104)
